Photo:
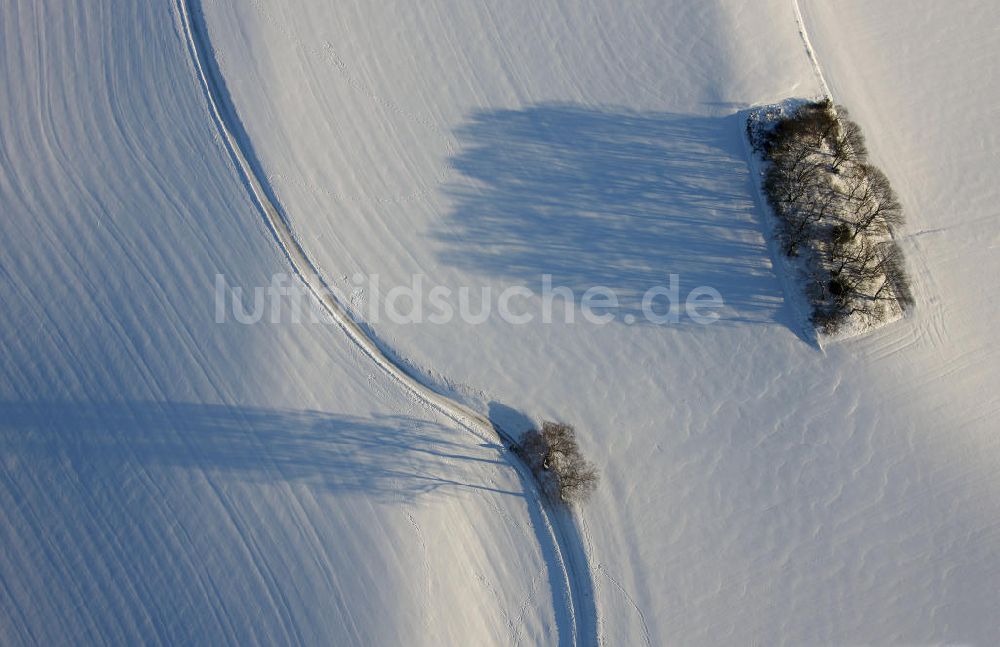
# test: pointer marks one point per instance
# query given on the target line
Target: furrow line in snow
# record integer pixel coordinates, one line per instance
(560, 524)
(804, 33)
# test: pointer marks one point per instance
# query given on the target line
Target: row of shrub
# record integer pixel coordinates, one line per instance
(836, 212)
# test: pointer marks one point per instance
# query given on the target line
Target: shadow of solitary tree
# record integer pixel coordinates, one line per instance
(387, 457)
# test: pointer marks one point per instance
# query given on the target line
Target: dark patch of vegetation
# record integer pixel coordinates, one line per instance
(836, 212)
(553, 454)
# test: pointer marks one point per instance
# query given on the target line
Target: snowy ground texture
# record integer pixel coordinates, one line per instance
(170, 480)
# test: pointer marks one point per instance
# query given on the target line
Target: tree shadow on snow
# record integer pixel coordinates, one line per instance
(611, 198)
(564, 534)
(390, 458)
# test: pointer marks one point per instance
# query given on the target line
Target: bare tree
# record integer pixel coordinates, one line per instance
(880, 210)
(852, 265)
(818, 202)
(784, 193)
(809, 125)
(819, 121)
(847, 143)
(866, 276)
(870, 204)
(556, 460)
(855, 185)
(792, 175)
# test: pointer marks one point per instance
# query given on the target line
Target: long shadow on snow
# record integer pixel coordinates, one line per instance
(514, 423)
(390, 458)
(558, 538)
(614, 198)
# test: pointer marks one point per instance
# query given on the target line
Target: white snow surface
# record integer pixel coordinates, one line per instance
(166, 478)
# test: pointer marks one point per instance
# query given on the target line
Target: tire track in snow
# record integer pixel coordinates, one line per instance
(810, 52)
(559, 525)
(631, 601)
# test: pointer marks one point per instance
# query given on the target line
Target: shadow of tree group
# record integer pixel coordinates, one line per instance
(614, 198)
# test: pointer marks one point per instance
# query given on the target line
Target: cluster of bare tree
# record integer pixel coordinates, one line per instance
(836, 211)
(554, 456)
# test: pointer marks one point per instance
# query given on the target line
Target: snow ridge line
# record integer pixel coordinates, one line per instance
(560, 524)
(810, 52)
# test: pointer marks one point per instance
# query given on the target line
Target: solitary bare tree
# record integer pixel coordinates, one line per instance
(554, 456)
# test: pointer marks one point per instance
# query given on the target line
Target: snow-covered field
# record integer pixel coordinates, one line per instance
(167, 478)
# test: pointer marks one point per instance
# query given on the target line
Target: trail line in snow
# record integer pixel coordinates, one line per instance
(804, 33)
(560, 524)
(811, 53)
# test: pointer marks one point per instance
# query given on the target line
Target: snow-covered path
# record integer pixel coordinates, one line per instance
(570, 555)
(169, 480)
(754, 488)
(166, 479)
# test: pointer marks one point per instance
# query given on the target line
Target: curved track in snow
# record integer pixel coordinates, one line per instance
(804, 33)
(559, 524)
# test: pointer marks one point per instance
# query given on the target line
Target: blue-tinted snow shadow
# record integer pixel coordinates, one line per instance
(390, 458)
(509, 419)
(612, 198)
(565, 533)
